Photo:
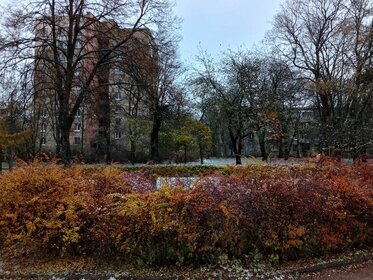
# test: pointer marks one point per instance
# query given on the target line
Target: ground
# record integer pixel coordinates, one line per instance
(213, 161)
(362, 271)
(352, 266)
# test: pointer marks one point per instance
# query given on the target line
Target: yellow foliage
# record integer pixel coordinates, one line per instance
(294, 243)
(12, 139)
(294, 236)
(296, 232)
(43, 205)
(225, 210)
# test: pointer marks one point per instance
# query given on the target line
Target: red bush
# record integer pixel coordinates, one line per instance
(278, 213)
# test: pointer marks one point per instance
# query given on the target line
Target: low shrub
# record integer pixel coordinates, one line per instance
(178, 170)
(272, 214)
(44, 208)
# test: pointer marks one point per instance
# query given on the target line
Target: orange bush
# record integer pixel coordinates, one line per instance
(278, 213)
(43, 207)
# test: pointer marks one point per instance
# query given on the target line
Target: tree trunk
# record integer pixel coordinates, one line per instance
(58, 143)
(1, 159)
(201, 153)
(298, 148)
(287, 152)
(262, 146)
(238, 159)
(108, 148)
(154, 138)
(289, 146)
(133, 152)
(325, 111)
(10, 157)
(281, 148)
(82, 135)
(65, 123)
(185, 154)
(237, 152)
(65, 146)
(58, 137)
(236, 146)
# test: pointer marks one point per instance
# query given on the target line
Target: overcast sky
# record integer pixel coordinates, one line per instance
(220, 24)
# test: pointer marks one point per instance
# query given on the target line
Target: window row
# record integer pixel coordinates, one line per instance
(77, 139)
(77, 127)
(61, 45)
(61, 31)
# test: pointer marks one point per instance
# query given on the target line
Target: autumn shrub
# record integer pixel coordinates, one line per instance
(277, 213)
(173, 225)
(43, 208)
(256, 212)
(51, 209)
(176, 170)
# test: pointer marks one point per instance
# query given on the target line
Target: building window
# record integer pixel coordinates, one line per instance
(117, 95)
(44, 31)
(307, 114)
(43, 63)
(43, 113)
(117, 134)
(62, 58)
(61, 31)
(43, 127)
(78, 45)
(77, 126)
(77, 89)
(77, 140)
(44, 45)
(151, 50)
(62, 45)
(77, 72)
(78, 113)
(43, 140)
(118, 110)
(117, 71)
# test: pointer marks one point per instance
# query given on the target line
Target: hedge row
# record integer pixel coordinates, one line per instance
(265, 213)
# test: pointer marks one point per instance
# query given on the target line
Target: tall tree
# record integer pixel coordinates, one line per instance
(12, 134)
(330, 42)
(57, 40)
(358, 84)
(158, 82)
(233, 87)
(282, 99)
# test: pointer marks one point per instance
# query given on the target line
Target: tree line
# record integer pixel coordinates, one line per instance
(318, 56)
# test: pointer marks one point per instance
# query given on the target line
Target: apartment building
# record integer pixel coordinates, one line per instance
(303, 137)
(117, 62)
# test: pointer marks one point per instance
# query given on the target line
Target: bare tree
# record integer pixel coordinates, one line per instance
(330, 41)
(58, 42)
(157, 83)
(232, 85)
(281, 101)
(358, 79)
